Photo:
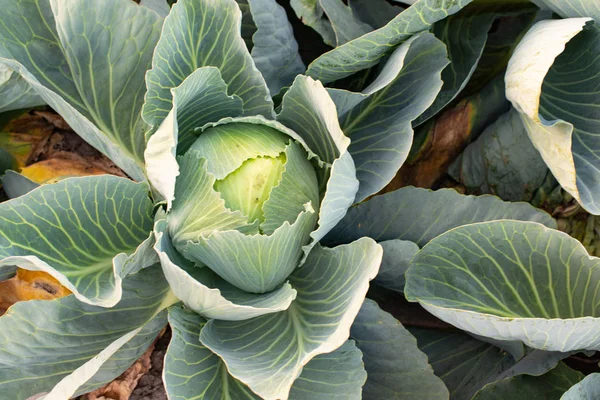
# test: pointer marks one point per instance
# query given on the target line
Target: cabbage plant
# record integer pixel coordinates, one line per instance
(252, 221)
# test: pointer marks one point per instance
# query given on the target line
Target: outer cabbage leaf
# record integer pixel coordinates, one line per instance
(376, 13)
(588, 388)
(555, 90)
(396, 368)
(312, 14)
(346, 25)
(396, 260)
(95, 83)
(380, 124)
(85, 232)
(524, 387)
(274, 50)
(573, 8)
(161, 7)
(419, 215)
(15, 184)
(15, 92)
(267, 353)
(511, 280)
(45, 342)
(502, 161)
(466, 364)
(465, 34)
(339, 375)
(367, 50)
(191, 369)
(189, 42)
(248, 25)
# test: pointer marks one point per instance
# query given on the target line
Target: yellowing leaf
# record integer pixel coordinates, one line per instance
(29, 285)
(55, 169)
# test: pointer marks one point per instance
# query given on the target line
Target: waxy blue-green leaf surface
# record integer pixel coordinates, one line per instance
(200, 99)
(308, 110)
(419, 215)
(396, 260)
(396, 368)
(555, 88)
(345, 23)
(551, 385)
(45, 341)
(201, 33)
(465, 34)
(268, 352)
(192, 370)
(573, 8)
(15, 92)
(161, 7)
(376, 13)
(588, 388)
(274, 50)
(15, 184)
(511, 280)
(339, 375)
(380, 125)
(502, 161)
(98, 89)
(466, 364)
(89, 233)
(255, 263)
(367, 50)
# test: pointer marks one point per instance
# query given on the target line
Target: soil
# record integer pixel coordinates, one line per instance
(150, 386)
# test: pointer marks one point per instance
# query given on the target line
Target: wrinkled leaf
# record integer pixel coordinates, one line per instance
(466, 364)
(207, 294)
(346, 25)
(15, 92)
(311, 13)
(396, 260)
(100, 101)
